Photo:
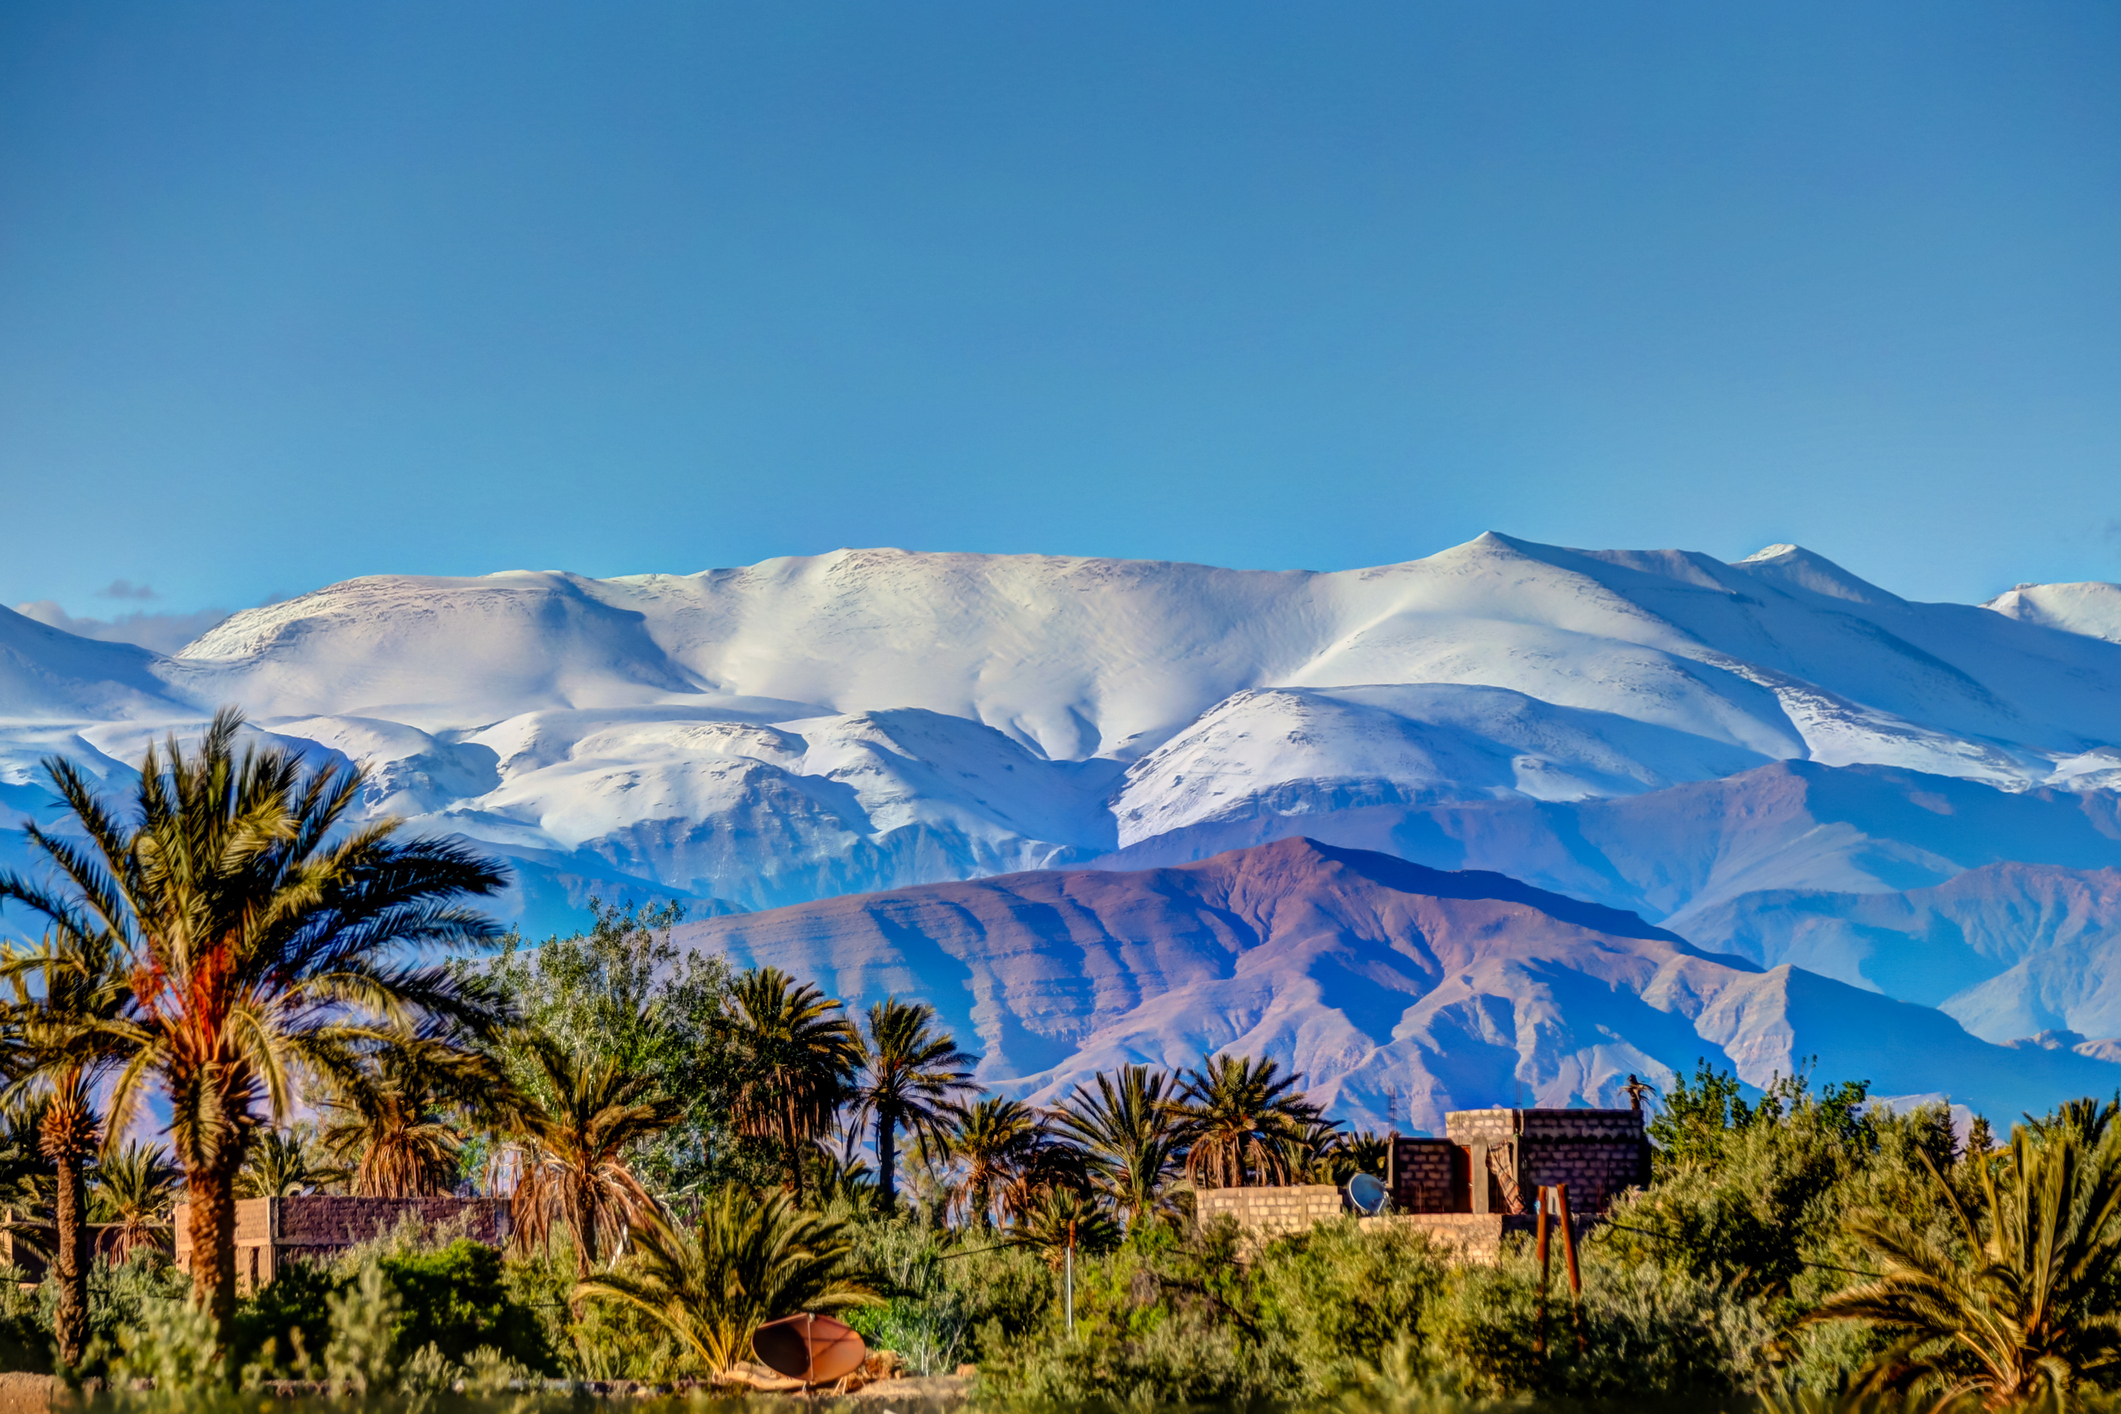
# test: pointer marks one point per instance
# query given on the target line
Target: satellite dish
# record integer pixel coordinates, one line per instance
(814, 1349)
(1367, 1194)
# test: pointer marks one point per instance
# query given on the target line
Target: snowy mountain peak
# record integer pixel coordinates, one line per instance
(2092, 608)
(1794, 567)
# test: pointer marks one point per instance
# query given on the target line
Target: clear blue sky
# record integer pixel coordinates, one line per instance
(296, 291)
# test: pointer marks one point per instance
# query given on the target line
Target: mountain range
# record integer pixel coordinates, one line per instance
(1792, 769)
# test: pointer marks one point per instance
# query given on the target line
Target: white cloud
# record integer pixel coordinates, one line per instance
(165, 633)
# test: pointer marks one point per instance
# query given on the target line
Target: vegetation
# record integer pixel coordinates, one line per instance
(258, 940)
(686, 1150)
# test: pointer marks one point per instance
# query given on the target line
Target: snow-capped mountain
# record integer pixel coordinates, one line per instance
(1659, 732)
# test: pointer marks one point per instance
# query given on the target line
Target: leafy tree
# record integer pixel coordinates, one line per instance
(573, 1135)
(625, 992)
(456, 1300)
(265, 936)
(1134, 1135)
(796, 1055)
(1696, 1120)
(747, 1261)
(1248, 1122)
(910, 1074)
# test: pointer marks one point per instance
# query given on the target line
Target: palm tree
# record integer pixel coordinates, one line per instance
(748, 1261)
(909, 1076)
(1243, 1117)
(135, 1189)
(993, 1139)
(2024, 1312)
(391, 1122)
(797, 1055)
(279, 1164)
(67, 991)
(1316, 1153)
(264, 942)
(571, 1149)
(1134, 1139)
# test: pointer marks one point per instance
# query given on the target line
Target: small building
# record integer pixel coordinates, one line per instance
(1472, 1186)
(1515, 1153)
(271, 1232)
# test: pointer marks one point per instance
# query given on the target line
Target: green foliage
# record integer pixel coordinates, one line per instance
(749, 1259)
(1334, 1298)
(1697, 1120)
(456, 1300)
(286, 1322)
(173, 1343)
(624, 992)
(364, 1353)
(377, 1309)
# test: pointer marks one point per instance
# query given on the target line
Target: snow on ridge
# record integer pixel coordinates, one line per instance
(872, 717)
(2092, 609)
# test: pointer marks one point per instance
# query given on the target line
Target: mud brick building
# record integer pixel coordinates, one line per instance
(271, 1232)
(1469, 1188)
(1500, 1159)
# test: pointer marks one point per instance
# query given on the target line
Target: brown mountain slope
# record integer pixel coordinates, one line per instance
(1400, 991)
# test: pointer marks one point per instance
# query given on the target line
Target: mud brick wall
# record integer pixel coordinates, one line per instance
(1596, 1170)
(1266, 1213)
(1427, 1176)
(270, 1232)
(1597, 1153)
(329, 1220)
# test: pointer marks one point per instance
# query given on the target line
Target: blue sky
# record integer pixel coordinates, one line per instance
(291, 292)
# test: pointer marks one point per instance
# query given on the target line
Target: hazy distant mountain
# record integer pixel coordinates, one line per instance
(1656, 731)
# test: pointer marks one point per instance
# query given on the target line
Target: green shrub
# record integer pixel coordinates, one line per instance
(457, 1300)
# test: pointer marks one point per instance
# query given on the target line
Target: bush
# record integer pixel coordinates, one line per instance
(457, 1301)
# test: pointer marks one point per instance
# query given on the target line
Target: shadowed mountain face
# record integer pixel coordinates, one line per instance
(1401, 991)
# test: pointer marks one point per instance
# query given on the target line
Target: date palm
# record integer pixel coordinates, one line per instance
(67, 992)
(267, 938)
(1248, 1122)
(391, 1123)
(135, 1188)
(910, 1075)
(1134, 1138)
(280, 1164)
(994, 1138)
(2023, 1313)
(747, 1261)
(796, 1057)
(574, 1136)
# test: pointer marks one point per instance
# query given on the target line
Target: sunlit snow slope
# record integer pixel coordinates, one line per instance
(1655, 731)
